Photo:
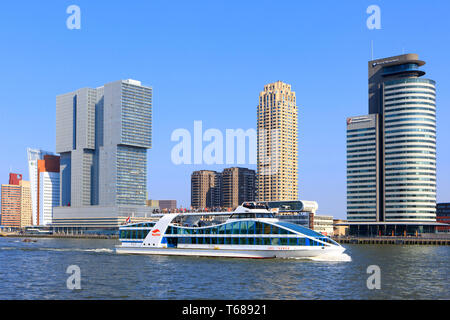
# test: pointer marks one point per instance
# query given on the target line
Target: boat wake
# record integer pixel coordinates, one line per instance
(98, 250)
(332, 257)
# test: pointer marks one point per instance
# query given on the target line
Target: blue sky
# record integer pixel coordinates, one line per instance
(208, 60)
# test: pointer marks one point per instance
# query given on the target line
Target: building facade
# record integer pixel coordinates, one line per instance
(16, 202)
(34, 155)
(206, 189)
(238, 186)
(167, 204)
(277, 138)
(48, 189)
(102, 136)
(443, 216)
(391, 153)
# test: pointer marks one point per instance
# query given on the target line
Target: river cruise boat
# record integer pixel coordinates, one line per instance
(251, 231)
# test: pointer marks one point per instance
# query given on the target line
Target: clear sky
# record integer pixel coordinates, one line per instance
(208, 60)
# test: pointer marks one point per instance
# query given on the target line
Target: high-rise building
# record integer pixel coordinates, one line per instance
(43, 168)
(206, 189)
(238, 186)
(277, 151)
(102, 136)
(16, 202)
(48, 189)
(229, 188)
(391, 153)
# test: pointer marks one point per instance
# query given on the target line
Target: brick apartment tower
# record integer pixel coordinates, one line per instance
(206, 189)
(238, 186)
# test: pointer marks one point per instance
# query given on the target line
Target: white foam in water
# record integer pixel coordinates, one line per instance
(333, 257)
(72, 249)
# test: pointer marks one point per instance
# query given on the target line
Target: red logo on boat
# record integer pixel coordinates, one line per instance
(156, 233)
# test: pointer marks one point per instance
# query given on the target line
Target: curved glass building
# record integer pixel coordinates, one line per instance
(409, 149)
(391, 153)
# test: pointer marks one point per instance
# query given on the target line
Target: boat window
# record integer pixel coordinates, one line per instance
(275, 230)
(235, 240)
(266, 228)
(244, 227)
(292, 241)
(236, 228)
(301, 241)
(275, 241)
(283, 241)
(258, 241)
(301, 229)
(259, 228)
(251, 227)
(266, 241)
(251, 241)
(220, 240)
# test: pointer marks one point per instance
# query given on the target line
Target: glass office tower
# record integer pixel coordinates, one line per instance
(103, 135)
(399, 187)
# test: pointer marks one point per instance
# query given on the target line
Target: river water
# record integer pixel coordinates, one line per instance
(38, 271)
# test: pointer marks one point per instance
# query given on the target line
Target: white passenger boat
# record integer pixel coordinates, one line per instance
(251, 231)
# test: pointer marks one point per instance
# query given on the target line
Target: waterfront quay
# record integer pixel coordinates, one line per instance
(440, 241)
(59, 235)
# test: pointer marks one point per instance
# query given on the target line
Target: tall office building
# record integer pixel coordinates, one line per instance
(16, 202)
(102, 136)
(206, 189)
(277, 154)
(48, 189)
(391, 153)
(238, 186)
(43, 168)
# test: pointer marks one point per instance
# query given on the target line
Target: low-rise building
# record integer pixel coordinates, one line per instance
(339, 230)
(443, 216)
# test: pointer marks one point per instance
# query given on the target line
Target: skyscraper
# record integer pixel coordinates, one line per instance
(391, 153)
(43, 168)
(102, 136)
(238, 186)
(277, 154)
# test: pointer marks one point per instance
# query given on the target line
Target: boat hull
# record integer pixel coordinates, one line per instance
(287, 252)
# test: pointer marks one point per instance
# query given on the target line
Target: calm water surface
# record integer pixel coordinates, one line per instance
(38, 271)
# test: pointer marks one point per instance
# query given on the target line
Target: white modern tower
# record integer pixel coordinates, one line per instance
(33, 156)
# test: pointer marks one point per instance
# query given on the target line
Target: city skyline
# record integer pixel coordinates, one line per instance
(322, 159)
